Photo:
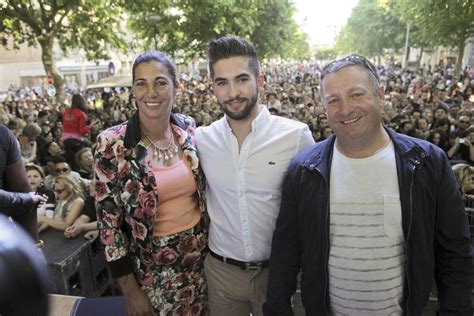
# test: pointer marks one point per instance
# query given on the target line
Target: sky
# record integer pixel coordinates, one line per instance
(322, 19)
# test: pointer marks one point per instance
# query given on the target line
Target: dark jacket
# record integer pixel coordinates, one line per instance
(435, 227)
(15, 203)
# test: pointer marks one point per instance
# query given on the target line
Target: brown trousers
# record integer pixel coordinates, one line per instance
(233, 291)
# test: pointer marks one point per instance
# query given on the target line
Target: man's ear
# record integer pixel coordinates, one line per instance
(261, 82)
(381, 92)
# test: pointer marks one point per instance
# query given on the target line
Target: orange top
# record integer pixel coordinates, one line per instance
(178, 208)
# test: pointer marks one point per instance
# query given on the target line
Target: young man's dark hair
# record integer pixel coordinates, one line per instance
(226, 47)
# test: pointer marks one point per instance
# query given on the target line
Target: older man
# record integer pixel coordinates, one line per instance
(369, 215)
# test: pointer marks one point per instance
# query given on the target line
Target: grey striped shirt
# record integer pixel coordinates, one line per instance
(367, 256)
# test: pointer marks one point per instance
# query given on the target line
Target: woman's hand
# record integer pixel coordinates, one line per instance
(138, 304)
(72, 231)
(92, 235)
(136, 301)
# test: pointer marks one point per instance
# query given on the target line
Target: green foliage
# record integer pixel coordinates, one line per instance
(440, 22)
(326, 53)
(372, 27)
(86, 24)
(188, 25)
(446, 22)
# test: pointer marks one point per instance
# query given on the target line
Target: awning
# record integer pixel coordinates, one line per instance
(112, 82)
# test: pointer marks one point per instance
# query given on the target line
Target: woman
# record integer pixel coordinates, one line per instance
(27, 141)
(150, 199)
(84, 161)
(53, 149)
(36, 177)
(435, 138)
(74, 127)
(464, 176)
(69, 204)
(87, 222)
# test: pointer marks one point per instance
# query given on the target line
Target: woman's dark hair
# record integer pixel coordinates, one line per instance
(431, 136)
(79, 102)
(150, 55)
(441, 122)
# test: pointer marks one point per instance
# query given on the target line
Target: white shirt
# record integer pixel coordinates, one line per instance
(244, 189)
(367, 257)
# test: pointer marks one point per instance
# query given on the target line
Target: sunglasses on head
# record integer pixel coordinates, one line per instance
(59, 191)
(349, 60)
(61, 170)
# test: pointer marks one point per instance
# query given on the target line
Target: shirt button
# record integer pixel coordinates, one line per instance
(423, 155)
(311, 165)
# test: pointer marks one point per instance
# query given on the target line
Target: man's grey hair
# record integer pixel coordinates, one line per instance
(352, 60)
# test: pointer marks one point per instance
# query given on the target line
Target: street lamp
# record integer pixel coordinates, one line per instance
(154, 19)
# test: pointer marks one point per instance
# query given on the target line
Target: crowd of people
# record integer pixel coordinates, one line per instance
(58, 141)
(428, 104)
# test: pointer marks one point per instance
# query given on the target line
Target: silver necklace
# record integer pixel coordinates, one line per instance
(166, 153)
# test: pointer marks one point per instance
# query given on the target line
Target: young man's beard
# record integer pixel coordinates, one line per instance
(245, 112)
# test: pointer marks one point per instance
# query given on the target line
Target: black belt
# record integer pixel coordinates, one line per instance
(249, 266)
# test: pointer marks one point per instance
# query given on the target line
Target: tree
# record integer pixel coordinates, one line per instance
(326, 53)
(86, 24)
(276, 33)
(188, 25)
(441, 22)
(372, 27)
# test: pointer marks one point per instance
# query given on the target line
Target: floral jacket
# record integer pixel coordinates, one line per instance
(125, 194)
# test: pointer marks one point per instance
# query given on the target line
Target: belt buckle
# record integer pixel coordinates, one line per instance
(253, 266)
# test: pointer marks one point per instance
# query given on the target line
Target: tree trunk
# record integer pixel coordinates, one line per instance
(461, 45)
(50, 67)
(407, 57)
(418, 61)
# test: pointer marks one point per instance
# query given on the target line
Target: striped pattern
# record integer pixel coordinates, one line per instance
(366, 268)
(366, 257)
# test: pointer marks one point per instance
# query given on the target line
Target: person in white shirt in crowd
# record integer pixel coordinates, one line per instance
(244, 156)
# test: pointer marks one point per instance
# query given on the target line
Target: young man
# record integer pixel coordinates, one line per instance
(369, 215)
(244, 156)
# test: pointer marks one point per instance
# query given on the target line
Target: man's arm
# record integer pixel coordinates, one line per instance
(16, 203)
(13, 203)
(15, 179)
(453, 256)
(285, 258)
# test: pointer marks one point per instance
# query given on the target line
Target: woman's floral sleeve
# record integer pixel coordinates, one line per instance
(109, 206)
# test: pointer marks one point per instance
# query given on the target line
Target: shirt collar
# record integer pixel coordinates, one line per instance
(261, 119)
